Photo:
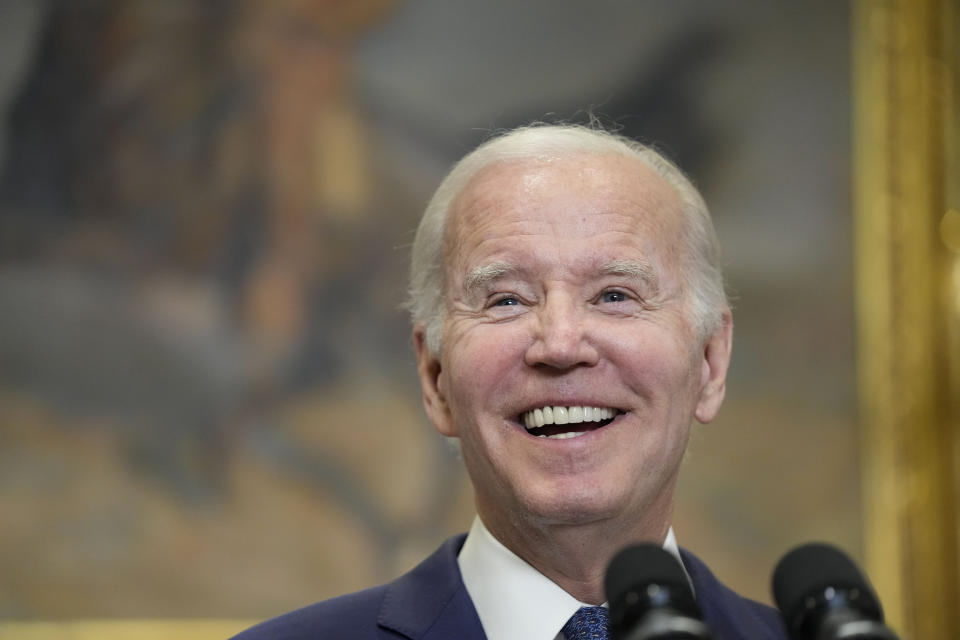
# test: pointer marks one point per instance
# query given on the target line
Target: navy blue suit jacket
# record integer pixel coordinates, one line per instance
(431, 603)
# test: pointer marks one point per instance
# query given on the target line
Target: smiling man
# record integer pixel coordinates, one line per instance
(570, 326)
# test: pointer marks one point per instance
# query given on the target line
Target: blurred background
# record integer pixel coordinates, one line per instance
(208, 402)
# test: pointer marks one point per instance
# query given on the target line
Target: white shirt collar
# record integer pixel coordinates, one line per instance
(513, 600)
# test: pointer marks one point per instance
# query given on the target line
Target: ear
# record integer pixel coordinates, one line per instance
(432, 385)
(713, 372)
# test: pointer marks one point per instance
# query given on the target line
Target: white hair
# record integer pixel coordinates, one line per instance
(701, 274)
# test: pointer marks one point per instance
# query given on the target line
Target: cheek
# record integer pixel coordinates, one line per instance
(654, 364)
(481, 365)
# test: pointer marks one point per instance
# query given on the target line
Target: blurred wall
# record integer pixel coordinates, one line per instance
(208, 404)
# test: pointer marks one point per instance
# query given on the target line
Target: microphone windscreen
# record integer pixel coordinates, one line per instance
(641, 565)
(811, 568)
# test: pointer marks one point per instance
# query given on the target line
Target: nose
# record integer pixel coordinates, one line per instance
(561, 336)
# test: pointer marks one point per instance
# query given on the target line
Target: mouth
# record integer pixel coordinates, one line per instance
(566, 422)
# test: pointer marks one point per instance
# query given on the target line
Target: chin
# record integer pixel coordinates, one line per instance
(571, 507)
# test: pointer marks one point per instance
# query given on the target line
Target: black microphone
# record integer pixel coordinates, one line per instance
(650, 598)
(822, 595)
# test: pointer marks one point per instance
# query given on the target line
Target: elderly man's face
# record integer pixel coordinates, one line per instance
(564, 298)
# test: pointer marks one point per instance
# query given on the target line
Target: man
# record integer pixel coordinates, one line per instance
(570, 324)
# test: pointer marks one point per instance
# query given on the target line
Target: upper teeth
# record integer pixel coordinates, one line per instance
(565, 415)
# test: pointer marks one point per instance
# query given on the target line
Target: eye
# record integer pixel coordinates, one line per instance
(613, 296)
(506, 305)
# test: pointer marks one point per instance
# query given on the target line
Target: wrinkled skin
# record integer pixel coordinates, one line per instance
(563, 289)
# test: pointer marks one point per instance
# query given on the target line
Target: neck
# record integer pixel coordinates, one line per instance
(576, 556)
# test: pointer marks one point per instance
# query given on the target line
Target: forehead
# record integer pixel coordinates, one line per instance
(613, 197)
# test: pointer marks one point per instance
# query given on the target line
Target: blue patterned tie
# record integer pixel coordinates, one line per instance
(588, 623)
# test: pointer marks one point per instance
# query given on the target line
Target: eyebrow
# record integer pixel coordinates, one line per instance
(636, 269)
(481, 277)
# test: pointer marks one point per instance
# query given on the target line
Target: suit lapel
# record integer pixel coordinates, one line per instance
(728, 615)
(431, 602)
